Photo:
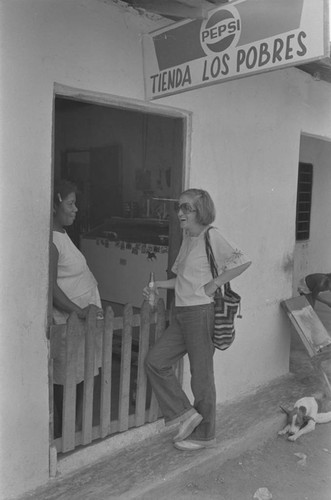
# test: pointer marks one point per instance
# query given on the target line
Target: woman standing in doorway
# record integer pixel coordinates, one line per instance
(192, 325)
(74, 286)
(74, 289)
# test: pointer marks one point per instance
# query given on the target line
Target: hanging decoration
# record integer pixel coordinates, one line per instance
(150, 250)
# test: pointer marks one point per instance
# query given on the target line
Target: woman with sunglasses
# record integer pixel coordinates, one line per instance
(190, 331)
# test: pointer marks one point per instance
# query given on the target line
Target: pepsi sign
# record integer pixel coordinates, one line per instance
(240, 39)
(220, 31)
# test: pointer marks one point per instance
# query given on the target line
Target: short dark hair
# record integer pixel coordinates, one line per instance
(62, 189)
(203, 204)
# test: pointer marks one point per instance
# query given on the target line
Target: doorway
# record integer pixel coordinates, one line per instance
(312, 250)
(128, 162)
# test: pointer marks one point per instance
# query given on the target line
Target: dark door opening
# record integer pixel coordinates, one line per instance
(122, 160)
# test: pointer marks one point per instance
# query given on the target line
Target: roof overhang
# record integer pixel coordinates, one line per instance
(320, 70)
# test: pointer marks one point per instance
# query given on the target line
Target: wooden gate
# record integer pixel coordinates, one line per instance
(127, 339)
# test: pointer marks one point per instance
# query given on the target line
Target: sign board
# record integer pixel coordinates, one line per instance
(242, 38)
(308, 325)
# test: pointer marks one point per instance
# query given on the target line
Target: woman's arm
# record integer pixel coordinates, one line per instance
(317, 283)
(60, 299)
(324, 301)
(168, 284)
(211, 287)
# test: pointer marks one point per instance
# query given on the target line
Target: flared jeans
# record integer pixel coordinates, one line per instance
(190, 332)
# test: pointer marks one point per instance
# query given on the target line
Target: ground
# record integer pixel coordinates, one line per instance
(274, 466)
(249, 455)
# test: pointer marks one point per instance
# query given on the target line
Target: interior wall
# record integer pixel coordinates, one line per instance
(148, 143)
(313, 255)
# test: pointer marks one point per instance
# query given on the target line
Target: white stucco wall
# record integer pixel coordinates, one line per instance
(81, 43)
(245, 148)
(245, 143)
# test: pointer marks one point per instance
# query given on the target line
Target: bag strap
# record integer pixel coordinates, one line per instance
(210, 254)
(212, 261)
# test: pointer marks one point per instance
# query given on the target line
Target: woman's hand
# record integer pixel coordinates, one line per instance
(147, 291)
(82, 313)
(100, 314)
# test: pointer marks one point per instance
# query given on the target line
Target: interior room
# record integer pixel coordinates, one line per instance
(128, 167)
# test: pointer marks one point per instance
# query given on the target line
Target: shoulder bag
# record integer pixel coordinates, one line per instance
(227, 304)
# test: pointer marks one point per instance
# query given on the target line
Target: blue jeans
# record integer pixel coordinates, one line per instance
(190, 332)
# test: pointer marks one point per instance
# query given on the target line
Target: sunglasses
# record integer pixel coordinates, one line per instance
(186, 208)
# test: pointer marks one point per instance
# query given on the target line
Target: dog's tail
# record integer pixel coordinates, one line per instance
(323, 418)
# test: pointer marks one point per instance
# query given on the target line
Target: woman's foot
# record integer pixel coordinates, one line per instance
(187, 427)
(188, 445)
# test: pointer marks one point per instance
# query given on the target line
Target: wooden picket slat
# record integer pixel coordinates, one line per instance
(125, 369)
(51, 398)
(57, 332)
(159, 329)
(89, 375)
(141, 376)
(105, 404)
(74, 332)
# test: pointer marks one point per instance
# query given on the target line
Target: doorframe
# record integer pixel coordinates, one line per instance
(126, 104)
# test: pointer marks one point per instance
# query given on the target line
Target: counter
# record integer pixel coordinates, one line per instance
(121, 254)
(138, 230)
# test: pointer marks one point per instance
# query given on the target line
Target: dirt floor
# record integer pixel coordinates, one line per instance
(275, 467)
(246, 429)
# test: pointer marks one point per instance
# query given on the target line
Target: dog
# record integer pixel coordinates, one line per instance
(303, 418)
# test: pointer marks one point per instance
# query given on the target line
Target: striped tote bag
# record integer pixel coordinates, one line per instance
(227, 305)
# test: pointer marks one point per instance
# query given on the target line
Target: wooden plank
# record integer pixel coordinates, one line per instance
(179, 370)
(154, 411)
(105, 405)
(142, 377)
(51, 399)
(69, 389)
(96, 432)
(307, 324)
(124, 394)
(90, 333)
(57, 332)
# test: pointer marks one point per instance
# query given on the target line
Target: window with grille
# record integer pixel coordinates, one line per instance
(305, 185)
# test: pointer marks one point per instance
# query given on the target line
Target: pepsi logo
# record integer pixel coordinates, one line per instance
(220, 31)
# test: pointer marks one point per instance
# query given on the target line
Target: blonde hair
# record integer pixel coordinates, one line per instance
(203, 204)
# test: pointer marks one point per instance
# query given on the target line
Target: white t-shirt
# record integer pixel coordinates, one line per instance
(193, 269)
(78, 283)
(73, 275)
